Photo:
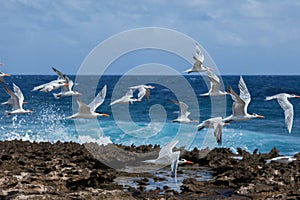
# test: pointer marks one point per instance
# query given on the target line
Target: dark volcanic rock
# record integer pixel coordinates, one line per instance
(59, 170)
(248, 177)
(31, 170)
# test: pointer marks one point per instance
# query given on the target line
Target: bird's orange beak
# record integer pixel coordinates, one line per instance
(6, 74)
(260, 116)
(66, 84)
(196, 121)
(25, 102)
(189, 162)
(105, 115)
(297, 96)
(226, 124)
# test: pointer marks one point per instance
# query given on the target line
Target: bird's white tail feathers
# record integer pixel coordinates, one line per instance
(148, 161)
(56, 96)
(268, 161)
(269, 98)
(188, 71)
(70, 117)
(205, 94)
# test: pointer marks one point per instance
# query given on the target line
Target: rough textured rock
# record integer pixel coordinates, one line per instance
(72, 171)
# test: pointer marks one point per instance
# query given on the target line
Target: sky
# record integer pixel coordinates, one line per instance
(242, 37)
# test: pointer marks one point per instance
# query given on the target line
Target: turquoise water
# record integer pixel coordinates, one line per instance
(150, 122)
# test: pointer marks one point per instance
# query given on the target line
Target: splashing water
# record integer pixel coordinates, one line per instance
(48, 123)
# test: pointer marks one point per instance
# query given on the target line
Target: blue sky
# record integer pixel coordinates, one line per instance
(242, 37)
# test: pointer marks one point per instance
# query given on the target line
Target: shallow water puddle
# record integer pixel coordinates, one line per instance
(162, 178)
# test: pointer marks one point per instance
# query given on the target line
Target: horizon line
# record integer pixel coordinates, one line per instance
(157, 75)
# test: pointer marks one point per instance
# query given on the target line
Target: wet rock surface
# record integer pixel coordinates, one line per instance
(73, 171)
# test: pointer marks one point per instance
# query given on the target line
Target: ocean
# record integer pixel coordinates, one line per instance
(150, 121)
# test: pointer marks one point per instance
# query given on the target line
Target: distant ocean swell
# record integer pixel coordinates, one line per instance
(48, 122)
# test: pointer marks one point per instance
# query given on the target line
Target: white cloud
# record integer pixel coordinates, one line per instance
(81, 25)
(229, 38)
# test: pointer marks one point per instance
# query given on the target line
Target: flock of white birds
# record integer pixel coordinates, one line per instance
(239, 113)
(166, 155)
(240, 102)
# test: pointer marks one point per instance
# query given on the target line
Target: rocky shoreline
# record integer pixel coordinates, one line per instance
(69, 170)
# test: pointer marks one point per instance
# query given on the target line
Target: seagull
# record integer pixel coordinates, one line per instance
(282, 159)
(53, 85)
(2, 79)
(217, 124)
(144, 90)
(166, 156)
(240, 104)
(283, 101)
(47, 87)
(17, 99)
(198, 62)
(10, 101)
(66, 91)
(2, 74)
(127, 99)
(88, 111)
(214, 85)
(183, 116)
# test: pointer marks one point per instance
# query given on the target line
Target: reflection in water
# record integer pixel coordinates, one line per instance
(163, 178)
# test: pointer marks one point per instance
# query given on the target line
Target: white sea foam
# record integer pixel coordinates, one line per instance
(100, 141)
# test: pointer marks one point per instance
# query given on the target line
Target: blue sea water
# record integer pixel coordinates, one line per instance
(150, 121)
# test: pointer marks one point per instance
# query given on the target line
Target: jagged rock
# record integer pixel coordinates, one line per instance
(31, 170)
